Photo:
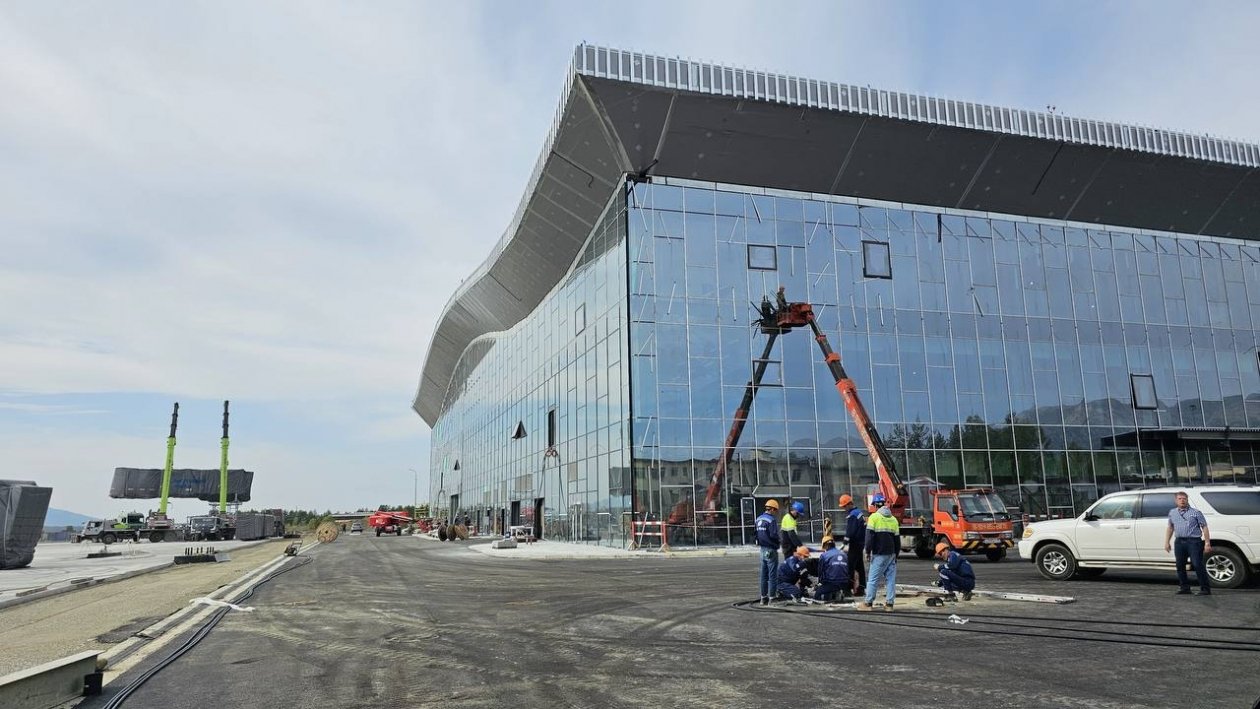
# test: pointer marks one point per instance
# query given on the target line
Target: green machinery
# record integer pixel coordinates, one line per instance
(223, 463)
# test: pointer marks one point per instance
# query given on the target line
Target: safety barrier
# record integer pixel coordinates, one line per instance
(648, 529)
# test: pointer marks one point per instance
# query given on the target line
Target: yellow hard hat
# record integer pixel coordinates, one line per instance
(772, 504)
(828, 540)
(942, 546)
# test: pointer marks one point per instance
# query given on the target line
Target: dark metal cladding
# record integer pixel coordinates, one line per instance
(146, 484)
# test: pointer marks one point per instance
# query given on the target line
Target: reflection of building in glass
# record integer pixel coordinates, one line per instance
(1054, 307)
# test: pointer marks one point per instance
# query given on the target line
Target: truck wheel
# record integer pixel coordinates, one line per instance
(398, 532)
(923, 548)
(1055, 562)
(108, 538)
(996, 554)
(1225, 568)
(378, 531)
(156, 537)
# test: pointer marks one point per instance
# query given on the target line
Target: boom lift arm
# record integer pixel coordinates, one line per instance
(777, 321)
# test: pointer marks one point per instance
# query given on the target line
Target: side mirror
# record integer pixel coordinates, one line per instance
(1090, 516)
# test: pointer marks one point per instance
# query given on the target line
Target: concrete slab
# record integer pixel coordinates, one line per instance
(61, 567)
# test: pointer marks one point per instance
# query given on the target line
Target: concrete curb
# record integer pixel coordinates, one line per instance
(19, 600)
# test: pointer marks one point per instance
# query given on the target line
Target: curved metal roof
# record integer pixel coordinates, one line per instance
(626, 112)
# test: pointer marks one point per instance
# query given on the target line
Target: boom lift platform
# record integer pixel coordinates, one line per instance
(956, 516)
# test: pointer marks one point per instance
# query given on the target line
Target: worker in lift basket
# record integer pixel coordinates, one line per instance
(955, 572)
(833, 573)
(788, 538)
(793, 575)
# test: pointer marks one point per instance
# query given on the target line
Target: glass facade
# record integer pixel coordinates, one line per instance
(534, 430)
(991, 350)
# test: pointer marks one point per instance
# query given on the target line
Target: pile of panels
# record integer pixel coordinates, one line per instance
(146, 484)
(254, 526)
(23, 506)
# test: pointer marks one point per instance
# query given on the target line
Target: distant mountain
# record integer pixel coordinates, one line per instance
(64, 518)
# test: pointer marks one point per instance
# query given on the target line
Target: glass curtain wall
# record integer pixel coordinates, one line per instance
(534, 430)
(990, 350)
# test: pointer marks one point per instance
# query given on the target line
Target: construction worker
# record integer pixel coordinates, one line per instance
(833, 573)
(768, 549)
(955, 572)
(794, 575)
(788, 538)
(883, 544)
(855, 532)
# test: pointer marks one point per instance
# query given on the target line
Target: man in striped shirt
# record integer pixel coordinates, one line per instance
(1193, 541)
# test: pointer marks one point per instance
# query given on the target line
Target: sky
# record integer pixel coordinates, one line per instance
(272, 202)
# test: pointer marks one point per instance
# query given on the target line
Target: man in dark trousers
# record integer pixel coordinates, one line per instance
(768, 550)
(855, 532)
(794, 575)
(1190, 528)
(833, 573)
(789, 540)
(955, 571)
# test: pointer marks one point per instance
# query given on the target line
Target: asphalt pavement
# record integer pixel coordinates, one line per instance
(397, 622)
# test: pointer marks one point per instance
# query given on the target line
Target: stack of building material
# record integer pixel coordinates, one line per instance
(254, 526)
(146, 484)
(23, 506)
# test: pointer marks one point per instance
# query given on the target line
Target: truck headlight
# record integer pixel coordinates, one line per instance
(971, 535)
(1028, 532)
(1007, 535)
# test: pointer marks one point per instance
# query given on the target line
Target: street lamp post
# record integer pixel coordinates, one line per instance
(415, 491)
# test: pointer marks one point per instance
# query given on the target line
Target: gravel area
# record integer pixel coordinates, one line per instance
(96, 617)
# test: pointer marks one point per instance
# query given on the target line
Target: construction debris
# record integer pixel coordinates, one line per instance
(909, 589)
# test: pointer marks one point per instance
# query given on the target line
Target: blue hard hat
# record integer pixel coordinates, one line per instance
(878, 498)
(798, 507)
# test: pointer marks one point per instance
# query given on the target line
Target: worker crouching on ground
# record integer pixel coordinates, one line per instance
(883, 544)
(768, 551)
(794, 575)
(788, 538)
(833, 573)
(955, 572)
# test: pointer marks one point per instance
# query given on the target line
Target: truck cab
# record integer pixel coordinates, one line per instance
(973, 521)
(207, 527)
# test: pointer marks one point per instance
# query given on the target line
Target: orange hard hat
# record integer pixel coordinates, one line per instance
(802, 551)
(772, 504)
(942, 546)
(846, 500)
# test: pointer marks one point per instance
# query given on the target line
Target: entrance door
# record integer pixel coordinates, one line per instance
(748, 520)
(516, 513)
(538, 517)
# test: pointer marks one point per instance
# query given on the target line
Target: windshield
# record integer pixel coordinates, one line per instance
(982, 507)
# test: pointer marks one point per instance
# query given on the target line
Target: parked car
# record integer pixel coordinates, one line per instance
(356, 527)
(1125, 530)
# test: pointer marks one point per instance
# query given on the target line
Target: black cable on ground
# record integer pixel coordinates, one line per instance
(1199, 644)
(122, 695)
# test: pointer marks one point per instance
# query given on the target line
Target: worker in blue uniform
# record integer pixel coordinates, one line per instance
(855, 532)
(768, 549)
(955, 571)
(794, 574)
(833, 573)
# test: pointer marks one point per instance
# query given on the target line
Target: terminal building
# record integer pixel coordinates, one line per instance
(1050, 306)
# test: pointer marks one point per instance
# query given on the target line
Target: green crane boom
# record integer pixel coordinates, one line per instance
(170, 462)
(223, 463)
